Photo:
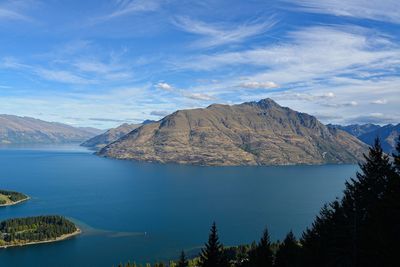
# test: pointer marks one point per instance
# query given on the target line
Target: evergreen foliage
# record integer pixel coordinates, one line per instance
(12, 195)
(182, 260)
(360, 229)
(32, 229)
(288, 254)
(261, 254)
(213, 254)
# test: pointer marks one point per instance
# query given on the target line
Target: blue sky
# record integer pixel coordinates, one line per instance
(102, 63)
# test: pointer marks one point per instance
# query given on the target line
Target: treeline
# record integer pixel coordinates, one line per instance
(362, 229)
(32, 229)
(13, 196)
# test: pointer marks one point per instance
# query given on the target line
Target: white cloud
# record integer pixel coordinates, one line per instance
(219, 34)
(164, 86)
(312, 54)
(381, 10)
(259, 85)
(379, 102)
(378, 118)
(329, 95)
(350, 104)
(199, 96)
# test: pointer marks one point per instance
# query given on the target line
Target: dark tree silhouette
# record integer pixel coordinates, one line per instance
(288, 254)
(213, 254)
(261, 255)
(359, 230)
(182, 260)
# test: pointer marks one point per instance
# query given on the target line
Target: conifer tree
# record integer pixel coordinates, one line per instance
(213, 254)
(288, 254)
(261, 255)
(359, 230)
(396, 156)
(182, 260)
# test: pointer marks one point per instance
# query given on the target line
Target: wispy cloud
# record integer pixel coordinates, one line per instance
(128, 7)
(379, 102)
(184, 93)
(221, 34)
(199, 96)
(259, 85)
(378, 118)
(13, 10)
(61, 76)
(108, 120)
(76, 64)
(159, 113)
(381, 10)
(310, 53)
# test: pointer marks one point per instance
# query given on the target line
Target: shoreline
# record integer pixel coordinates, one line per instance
(15, 203)
(57, 239)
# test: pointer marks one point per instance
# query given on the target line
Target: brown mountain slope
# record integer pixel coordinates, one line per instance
(111, 135)
(253, 133)
(24, 130)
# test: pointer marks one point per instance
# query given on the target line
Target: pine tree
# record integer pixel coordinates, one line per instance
(213, 254)
(288, 254)
(359, 230)
(182, 260)
(396, 156)
(261, 255)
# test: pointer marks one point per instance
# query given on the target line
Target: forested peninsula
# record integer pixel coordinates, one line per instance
(35, 230)
(8, 198)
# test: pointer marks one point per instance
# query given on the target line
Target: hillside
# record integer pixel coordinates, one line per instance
(26, 130)
(252, 133)
(356, 129)
(111, 135)
(388, 135)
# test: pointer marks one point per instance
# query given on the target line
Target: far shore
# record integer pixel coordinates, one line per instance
(63, 237)
(15, 203)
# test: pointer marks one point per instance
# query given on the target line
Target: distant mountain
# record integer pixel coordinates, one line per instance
(368, 132)
(26, 130)
(112, 135)
(388, 135)
(99, 141)
(356, 129)
(252, 133)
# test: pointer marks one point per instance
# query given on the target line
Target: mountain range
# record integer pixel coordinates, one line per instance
(26, 130)
(356, 129)
(252, 133)
(367, 133)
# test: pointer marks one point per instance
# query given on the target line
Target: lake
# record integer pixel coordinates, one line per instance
(148, 212)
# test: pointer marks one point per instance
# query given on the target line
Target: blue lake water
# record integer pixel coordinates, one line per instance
(148, 212)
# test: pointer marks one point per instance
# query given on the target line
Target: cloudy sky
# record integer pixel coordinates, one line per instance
(101, 63)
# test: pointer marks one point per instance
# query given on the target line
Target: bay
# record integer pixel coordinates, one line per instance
(146, 212)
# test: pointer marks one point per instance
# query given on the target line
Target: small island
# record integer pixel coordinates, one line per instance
(8, 198)
(36, 230)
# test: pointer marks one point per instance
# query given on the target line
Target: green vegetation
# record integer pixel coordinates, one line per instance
(38, 229)
(11, 197)
(360, 230)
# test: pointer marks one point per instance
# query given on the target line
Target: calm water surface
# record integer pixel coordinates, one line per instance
(148, 212)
